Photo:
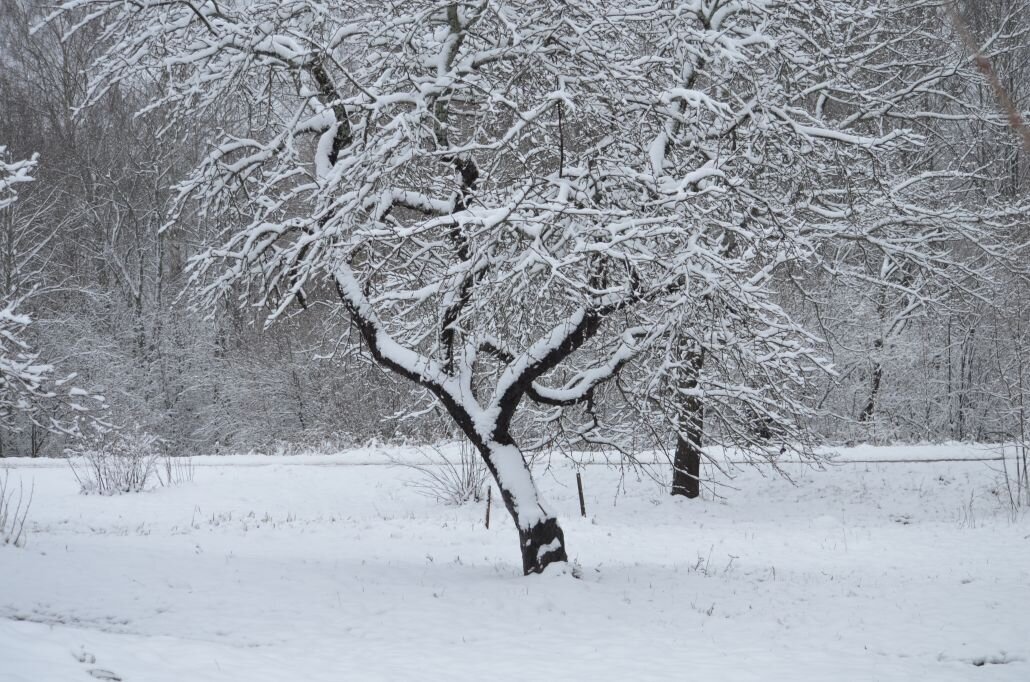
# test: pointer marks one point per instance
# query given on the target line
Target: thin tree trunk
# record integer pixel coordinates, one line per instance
(965, 378)
(874, 389)
(951, 387)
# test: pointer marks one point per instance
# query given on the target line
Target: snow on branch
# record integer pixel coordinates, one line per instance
(13, 173)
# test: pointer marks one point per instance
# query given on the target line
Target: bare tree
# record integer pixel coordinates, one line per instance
(29, 388)
(22, 376)
(820, 118)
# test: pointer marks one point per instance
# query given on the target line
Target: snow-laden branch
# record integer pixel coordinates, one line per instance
(12, 174)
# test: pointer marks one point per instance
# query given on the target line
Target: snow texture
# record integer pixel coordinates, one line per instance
(317, 569)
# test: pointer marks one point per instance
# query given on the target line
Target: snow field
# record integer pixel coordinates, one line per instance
(278, 568)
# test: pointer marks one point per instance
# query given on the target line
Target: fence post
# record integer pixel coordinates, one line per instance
(489, 490)
(582, 503)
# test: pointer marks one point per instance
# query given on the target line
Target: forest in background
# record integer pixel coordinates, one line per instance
(107, 289)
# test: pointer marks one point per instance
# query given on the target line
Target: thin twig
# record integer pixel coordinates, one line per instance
(1015, 118)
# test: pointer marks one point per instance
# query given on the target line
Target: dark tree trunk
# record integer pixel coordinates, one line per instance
(686, 465)
(542, 545)
(541, 540)
(966, 381)
(686, 469)
(874, 390)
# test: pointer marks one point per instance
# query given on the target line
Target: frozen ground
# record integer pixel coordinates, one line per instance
(288, 570)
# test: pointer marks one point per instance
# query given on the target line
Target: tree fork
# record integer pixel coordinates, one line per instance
(542, 543)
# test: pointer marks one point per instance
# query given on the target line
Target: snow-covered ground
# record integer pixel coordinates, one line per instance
(275, 568)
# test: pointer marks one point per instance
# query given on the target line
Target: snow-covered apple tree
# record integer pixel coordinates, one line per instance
(832, 128)
(517, 201)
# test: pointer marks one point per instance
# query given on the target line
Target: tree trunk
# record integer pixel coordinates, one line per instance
(874, 389)
(542, 544)
(686, 465)
(541, 539)
(686, 469)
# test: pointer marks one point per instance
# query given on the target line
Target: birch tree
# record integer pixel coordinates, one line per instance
(516, 202)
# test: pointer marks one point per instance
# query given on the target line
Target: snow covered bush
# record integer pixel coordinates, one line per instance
(14, 510)
(116, 462)
(451, 479)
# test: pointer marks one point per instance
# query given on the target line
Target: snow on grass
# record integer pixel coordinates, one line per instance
(292, 571)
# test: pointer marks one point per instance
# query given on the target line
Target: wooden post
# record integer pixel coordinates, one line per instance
(582, 503)
(489, 490)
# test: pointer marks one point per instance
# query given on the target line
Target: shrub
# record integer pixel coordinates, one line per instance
(13, 512)
(176, 471)
(116, 462)
(450, 480)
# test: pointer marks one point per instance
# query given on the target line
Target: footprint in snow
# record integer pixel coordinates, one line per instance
(87, 658)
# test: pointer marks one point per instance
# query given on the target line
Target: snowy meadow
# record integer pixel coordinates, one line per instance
(337, 568)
